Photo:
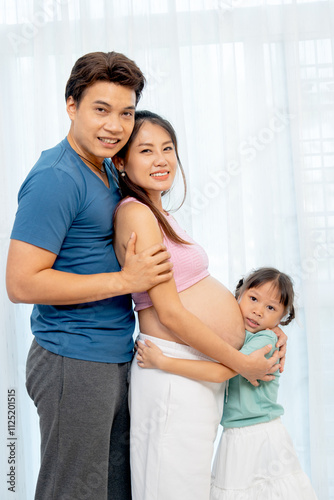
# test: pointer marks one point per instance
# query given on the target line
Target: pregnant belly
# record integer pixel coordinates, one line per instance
(212, 303)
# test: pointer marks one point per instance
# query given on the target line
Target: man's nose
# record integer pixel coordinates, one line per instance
(114, 124)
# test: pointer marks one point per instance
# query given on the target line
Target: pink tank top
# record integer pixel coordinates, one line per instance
(190, 262)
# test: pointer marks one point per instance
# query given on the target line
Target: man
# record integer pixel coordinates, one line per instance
(62, 260)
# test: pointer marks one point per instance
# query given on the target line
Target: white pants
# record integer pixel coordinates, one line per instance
(174, 422)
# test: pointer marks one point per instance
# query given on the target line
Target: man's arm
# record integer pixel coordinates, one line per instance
(30, 278)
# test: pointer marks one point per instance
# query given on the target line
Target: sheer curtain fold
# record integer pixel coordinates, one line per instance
(249, 86)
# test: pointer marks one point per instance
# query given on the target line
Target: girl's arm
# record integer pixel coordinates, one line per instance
(150, 355)
(135, 217)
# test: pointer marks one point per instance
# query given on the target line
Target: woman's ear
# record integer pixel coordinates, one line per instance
(118, 162)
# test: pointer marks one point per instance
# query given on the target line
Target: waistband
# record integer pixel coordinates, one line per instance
(174, 349)
(254, 428)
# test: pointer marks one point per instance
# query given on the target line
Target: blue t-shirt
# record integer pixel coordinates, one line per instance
(246, 404)
(65, 208)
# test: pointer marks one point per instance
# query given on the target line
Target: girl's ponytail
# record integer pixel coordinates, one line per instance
(290, 317)
(238, 288)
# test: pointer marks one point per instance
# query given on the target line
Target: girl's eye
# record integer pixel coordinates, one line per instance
(252, 298)
(271, 308)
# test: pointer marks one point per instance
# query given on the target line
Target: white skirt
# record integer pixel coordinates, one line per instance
(174, 421)
(258, 462)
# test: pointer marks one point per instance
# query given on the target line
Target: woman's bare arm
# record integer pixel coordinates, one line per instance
(172, 314)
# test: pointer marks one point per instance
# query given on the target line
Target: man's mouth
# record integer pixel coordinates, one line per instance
(108, 140)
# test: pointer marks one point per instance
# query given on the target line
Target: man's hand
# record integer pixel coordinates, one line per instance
(143, 271)
(281, 344)
(257, 367)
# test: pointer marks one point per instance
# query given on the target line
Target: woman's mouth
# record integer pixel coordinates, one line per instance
(160, 175)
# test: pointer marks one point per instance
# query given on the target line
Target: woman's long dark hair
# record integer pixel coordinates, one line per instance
(129, 188)
(281, 281)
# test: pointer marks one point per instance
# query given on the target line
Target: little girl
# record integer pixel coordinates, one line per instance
(255, 458)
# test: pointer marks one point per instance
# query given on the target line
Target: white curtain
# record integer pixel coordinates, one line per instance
(249, 86)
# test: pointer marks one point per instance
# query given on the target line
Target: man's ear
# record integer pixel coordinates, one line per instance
(118, 162)
(71, 107)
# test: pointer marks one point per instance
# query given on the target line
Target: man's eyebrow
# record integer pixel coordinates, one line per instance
(103, 103)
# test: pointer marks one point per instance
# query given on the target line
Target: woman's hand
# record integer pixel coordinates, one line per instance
(149, 355)
(257, 367)
(281, 344)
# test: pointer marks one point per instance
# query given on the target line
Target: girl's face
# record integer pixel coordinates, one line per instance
(261, 307)
(151, 161)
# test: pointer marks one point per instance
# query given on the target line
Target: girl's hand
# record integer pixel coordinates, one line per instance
(149, 355)
(281, 343)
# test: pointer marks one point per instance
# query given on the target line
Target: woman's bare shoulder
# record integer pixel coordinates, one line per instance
(136, 212)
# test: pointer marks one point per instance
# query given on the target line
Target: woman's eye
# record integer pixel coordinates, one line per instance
(146, 151)
(100, 110)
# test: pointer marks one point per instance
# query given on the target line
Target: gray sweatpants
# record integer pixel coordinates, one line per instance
(84, 423)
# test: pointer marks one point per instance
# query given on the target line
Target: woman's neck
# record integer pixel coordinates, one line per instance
(157, 202)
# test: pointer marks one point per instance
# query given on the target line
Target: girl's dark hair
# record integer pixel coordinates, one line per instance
(129, 188)
(103, 66)
(281, 281)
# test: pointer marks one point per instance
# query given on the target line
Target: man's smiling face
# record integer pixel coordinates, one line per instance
(103, 121)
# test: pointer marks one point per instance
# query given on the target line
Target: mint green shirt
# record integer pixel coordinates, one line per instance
(246, 404)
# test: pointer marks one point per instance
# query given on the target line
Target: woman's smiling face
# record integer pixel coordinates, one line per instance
(151, 160)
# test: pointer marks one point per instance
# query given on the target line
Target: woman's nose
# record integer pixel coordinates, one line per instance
(160, 160)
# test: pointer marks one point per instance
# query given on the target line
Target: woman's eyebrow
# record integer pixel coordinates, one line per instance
(150, 144)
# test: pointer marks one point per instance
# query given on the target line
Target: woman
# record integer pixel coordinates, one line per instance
(174, 419)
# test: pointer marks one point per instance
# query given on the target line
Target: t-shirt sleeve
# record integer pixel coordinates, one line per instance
(258, 340)
(48, 203)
